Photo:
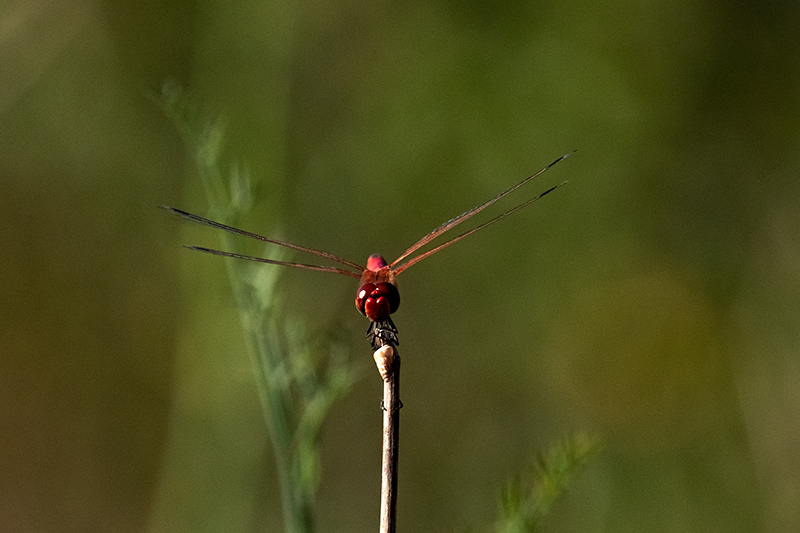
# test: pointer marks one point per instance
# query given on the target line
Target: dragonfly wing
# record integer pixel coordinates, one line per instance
(453, 222)
(206, 222)
(273, 262)
(420, 257)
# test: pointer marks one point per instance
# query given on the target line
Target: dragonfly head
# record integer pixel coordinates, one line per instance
(377, 300)
(377, 295)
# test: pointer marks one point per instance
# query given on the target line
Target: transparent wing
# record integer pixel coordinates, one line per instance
(273, 262)
(453, 222)
(206, 222)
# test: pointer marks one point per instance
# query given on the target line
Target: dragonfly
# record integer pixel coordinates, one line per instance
(377, 297)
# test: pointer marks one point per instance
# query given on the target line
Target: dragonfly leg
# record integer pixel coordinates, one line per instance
(384, 337)
(382, 333)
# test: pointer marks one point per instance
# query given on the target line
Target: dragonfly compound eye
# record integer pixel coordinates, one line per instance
(377, 300)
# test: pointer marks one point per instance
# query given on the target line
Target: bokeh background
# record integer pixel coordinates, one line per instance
(653, 301)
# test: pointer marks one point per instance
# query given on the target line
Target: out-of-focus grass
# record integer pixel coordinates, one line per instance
(296, 392)
(526, 500)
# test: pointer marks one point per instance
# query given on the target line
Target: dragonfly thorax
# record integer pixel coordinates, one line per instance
(375, 262)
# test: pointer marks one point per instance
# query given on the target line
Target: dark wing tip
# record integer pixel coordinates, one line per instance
(172, 210)
(560, 159)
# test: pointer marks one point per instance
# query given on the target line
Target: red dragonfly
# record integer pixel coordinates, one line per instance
(377, 295)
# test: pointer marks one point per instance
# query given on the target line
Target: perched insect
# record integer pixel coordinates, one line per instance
(377, 297)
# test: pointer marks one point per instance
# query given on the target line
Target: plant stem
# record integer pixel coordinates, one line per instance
(391, 425)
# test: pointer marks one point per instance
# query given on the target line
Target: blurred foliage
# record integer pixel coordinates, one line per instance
(526, 503)
(653, 300)
(295, 395)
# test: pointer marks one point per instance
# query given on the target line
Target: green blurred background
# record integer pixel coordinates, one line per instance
(653, 301)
